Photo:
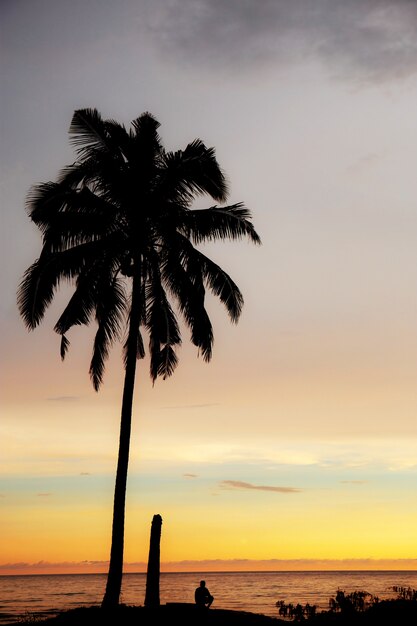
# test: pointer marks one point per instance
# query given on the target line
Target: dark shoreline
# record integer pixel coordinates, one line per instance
(168, 614)
(394, 612)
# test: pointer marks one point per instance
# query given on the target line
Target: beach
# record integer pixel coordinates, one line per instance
(394, 612)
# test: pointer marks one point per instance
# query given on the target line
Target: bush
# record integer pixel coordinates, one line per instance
(356, 607)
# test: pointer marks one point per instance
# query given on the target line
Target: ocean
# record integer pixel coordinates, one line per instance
(257, 592)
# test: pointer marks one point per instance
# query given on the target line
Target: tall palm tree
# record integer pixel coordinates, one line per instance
(119, 225)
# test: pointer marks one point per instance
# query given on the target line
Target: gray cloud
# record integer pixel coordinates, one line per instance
(237, 484)
(370, 40)
(190, 475)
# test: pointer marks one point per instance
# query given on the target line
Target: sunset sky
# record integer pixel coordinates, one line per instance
(296, 447)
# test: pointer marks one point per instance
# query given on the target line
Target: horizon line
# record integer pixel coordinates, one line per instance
(213, 566)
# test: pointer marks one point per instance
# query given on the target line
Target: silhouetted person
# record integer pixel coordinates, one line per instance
(203, 596)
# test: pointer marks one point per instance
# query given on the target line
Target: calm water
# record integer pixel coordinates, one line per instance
(248, 591)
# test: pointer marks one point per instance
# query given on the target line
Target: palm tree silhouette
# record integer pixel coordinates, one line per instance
(119, 225)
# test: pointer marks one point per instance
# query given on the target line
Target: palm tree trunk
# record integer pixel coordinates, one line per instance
(153, 573)
(115, 573)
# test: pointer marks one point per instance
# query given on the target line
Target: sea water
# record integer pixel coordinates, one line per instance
(257, 592)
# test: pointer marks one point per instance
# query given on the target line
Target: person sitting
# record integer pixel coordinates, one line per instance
(202, 595)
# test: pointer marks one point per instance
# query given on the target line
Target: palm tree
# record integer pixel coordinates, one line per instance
(120, 226)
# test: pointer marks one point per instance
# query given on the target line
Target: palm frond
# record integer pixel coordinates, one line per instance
(89, 133)
(202, 271)
(200, 325)
(146, 130)
(145, 154)
(140, 348)
(83, 172)
(47, 200)
(41, 279)
(64, 346)
(228, 222)
(162, 326)
(103, 172)
(217, 280)
(190, 298)
(36, 291)
(121, 140)
(81, 305)
(191, 172)
(110, 311)
(68, 217)
(92, 287)
(221, 285)
(163, 362)
(71, 230)
(160, 317)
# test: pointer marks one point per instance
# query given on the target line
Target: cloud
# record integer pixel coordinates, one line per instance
(46, 565)
(190, 475)
(19, 565)
(281, 565)
(354, 482)
(237, 484)
(85, 473)
(63, 399)
(43, 495)
(372, 40)
(66, 567)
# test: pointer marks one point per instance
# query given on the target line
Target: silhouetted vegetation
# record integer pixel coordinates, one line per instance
(119, 226)
(296, 612)
(355, 602)
(357, 607)
(406, 593)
